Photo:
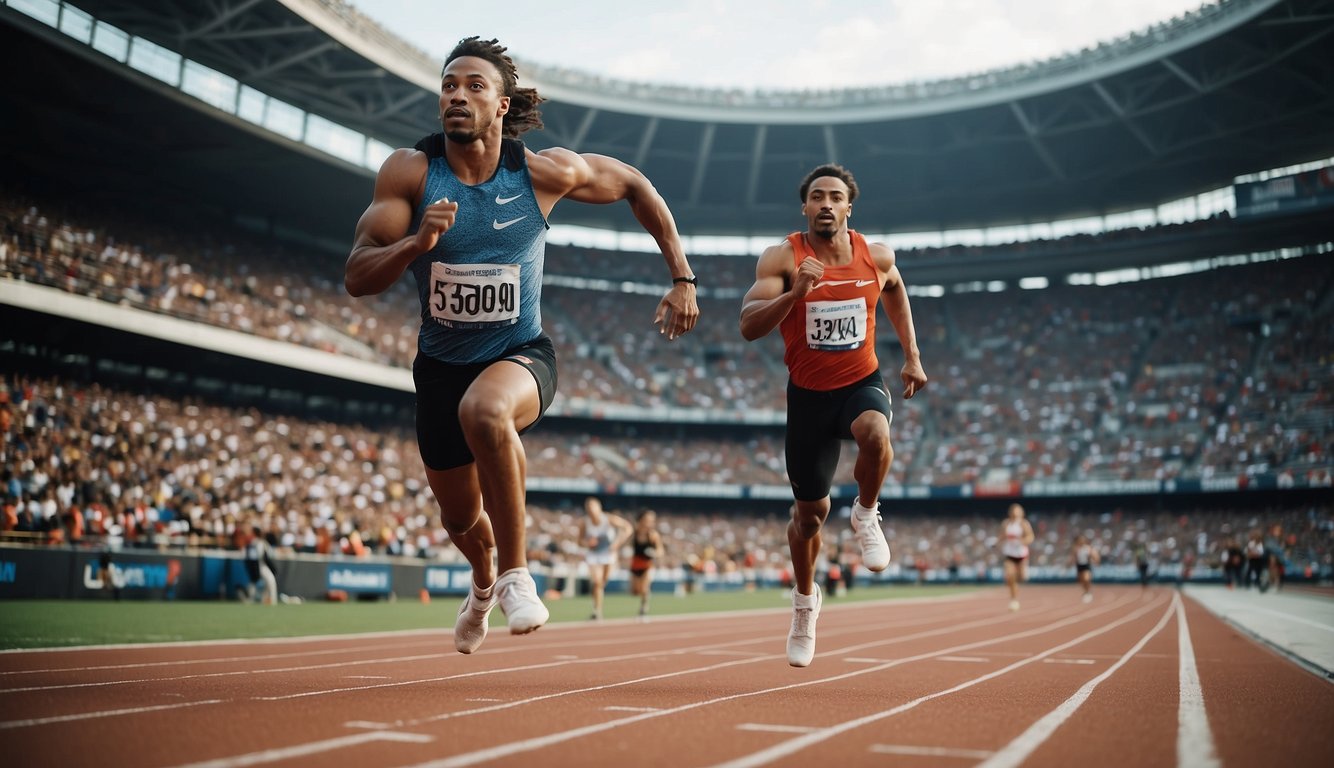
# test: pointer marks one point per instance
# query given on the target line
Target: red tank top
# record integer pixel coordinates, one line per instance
(829, 336)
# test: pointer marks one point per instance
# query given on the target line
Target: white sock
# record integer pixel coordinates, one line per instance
(865, 513)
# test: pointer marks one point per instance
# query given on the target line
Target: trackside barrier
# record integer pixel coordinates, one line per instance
(68, 572)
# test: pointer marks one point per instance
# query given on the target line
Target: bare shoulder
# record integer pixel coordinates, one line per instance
(403, 172)
(556, 169)
(882, 255)
(776, 260)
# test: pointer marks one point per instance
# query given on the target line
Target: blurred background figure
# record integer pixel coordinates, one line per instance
(602, 536)
(259, 567)
(1085, 556)
(646, 547)
(1017, 534)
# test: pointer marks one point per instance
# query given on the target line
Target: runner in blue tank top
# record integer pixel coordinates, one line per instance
(466, 212)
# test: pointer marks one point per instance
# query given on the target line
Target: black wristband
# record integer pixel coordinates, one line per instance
(693, 280)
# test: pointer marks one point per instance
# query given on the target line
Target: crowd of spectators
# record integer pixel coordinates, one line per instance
(1225, 373)
(85, 464)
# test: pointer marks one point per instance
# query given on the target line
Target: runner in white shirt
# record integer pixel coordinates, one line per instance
(1017, 535)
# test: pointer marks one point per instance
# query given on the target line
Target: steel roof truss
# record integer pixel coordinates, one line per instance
(1030, 130)
(702, 162)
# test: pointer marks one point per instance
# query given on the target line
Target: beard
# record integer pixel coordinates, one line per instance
(824, 229)
(462, 135)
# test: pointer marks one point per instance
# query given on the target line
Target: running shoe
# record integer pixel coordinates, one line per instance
(524, 611)
(866, 527)
(801, 638)
(1014, 605)
(470, 627)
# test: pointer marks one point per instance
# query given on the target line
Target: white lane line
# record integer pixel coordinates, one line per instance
(901, 749)
(1068, 661)
(775, 728)
(350, 651)
(310, 748)
(1021, 748)
(1195, 742)
(104, 713)
(528, 745)
(864, 660)
(629, 709)
(251, 641)
(792, 746)
(232, 673)
(967, 659)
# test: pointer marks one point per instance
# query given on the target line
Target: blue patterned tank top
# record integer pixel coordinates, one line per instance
(481, 285)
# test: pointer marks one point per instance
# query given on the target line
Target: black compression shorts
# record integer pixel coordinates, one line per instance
(817, 422)
(440, 389)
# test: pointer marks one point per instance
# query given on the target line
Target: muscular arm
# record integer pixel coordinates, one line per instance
(381, 247)
(768, 301)
(894, 298)
(589, 178)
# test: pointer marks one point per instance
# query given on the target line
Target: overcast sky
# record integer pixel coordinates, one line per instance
(779, 44)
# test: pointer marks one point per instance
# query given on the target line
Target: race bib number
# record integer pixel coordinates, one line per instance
(836, 325)
(474, 295)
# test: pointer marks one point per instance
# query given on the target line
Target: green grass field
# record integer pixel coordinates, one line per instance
(63, 623)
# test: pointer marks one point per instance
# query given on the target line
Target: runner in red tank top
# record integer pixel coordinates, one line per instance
(820, 288)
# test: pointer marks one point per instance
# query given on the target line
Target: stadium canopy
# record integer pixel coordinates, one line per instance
(1181, 108)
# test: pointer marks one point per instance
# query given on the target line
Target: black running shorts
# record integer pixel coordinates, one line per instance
(440, 389)
(817, 422)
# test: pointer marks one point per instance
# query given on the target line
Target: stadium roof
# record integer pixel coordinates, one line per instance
(1238, 87)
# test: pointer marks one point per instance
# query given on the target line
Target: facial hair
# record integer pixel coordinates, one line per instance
(462, 135)
(824, 230)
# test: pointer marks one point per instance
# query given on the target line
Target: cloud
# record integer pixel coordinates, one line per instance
(782, 44)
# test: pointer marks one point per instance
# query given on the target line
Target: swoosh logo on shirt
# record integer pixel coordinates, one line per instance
(503, 200)
(497, 224)
(860, 283)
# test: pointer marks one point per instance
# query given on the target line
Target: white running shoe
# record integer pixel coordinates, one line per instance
(470, 627)
(866, 527)
(1014, 605)
(801, 638)
(1088, 597)
(524, 611)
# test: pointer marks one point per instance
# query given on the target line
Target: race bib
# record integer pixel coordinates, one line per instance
(836, 325)
(474, 295)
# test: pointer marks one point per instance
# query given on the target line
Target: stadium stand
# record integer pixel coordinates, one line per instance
(1175, 413)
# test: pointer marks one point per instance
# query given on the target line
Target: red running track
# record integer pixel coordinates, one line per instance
(1135, 678)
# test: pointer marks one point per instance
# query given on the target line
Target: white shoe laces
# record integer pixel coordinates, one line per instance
(801, 622)
(866, 530)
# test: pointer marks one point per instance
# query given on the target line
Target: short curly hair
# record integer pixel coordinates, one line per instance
(830, 169)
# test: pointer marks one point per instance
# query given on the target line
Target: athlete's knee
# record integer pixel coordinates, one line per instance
(871, 431)
(485, 417)
(809, 516)
(457, 525)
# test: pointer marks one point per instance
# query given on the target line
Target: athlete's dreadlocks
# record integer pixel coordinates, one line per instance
(523, 114)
